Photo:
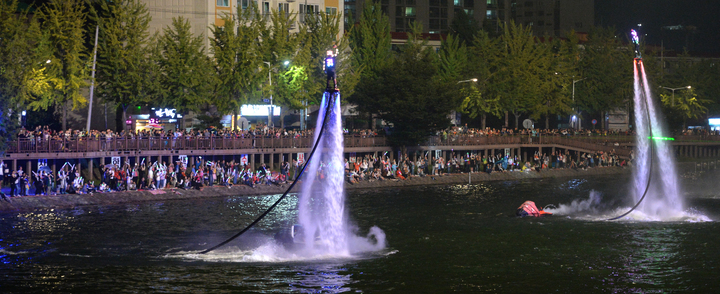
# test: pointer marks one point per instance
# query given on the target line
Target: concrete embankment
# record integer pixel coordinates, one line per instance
(31, 203)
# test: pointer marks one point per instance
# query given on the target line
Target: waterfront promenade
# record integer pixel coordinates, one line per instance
(94, 153)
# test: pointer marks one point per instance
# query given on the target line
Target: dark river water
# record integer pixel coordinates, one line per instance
(439, 239)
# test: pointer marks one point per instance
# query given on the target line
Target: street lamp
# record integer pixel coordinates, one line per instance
(573, 99)
(271, 97)
(672, 101)
(470, 80)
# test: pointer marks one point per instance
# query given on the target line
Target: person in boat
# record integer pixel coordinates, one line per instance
(528, 208)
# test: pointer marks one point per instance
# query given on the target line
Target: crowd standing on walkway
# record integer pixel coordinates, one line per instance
(374, 168)
(162, 175)
(142, 176)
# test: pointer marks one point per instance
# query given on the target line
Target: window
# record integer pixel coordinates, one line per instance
(284, 7)
(541, 13)
(266, 8)
(541, 23)
(244, 4)
(223, 3)
(399, 24)
(434, 12)
(491, 14)
(528, 4)
(409, 2)
(469, 3)
(578, 25)
(458, 2)
(399, 11)
(491, 2)
(469, 12)
(331, 10)
(434, 24)
(528, 13)
(409, 11)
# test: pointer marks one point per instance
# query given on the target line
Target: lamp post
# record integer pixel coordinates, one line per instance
(672, 101)
(467, 81)
(271, 97)
(573, 100)
(454, 113)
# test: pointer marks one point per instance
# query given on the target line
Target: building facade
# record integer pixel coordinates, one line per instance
(204, 13)
(551, 17)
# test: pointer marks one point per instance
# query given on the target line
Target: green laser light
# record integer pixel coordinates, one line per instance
(661, 138)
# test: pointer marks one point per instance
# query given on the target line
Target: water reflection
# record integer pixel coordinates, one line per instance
(651, 256)
(321, 278)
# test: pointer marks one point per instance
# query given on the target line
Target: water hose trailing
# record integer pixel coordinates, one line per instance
(650, 154)
(322, 130)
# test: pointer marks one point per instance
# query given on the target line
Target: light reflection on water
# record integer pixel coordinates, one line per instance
(461, 238)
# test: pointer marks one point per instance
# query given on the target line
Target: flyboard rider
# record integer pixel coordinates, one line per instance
(329, 67)
(528, 208)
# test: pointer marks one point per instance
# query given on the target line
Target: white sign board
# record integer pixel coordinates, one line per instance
(244, 159)
(258, 110)
(115, 161)
(183, 159)
(301, 158)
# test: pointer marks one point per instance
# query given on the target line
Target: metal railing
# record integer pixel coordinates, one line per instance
(598, 143)
(170, 143)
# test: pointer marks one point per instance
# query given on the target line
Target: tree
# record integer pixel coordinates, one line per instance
(186, 78)
(556, 79)
(520, 75)
(464, 27)
(23, 52)
(408, 94)
(278, 47)
(371, 50)
(483, 61)
(68, 71)
(237, 65)
(605, 64)
(683, 106)
(122, 53)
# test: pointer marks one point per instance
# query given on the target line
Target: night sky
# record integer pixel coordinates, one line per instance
(654, 14)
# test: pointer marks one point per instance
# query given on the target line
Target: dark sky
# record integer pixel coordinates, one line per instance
(654, 14)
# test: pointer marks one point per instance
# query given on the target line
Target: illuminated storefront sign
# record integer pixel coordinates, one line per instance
(258, 110)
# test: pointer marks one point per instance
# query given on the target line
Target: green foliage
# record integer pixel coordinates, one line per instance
(68, 71)
(187, 80)
(464, 27)
(523, 71)
(324, 33)
(371, 52)
(685, 104)
(475, 104)
(605, 65)
(122, 66)
(237, 65)
(408, 94)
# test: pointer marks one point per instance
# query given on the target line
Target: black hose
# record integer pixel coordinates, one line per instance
(322, 129)
(650, 155)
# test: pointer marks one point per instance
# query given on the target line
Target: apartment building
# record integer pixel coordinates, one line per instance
(554, 17)
(204, 13)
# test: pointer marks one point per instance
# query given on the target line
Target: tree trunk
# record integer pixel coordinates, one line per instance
(64, 116)
(506, 119)
(517, 119)
(483, 118)
(547, 122)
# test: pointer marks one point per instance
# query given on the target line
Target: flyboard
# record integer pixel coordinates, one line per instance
(331, 90)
